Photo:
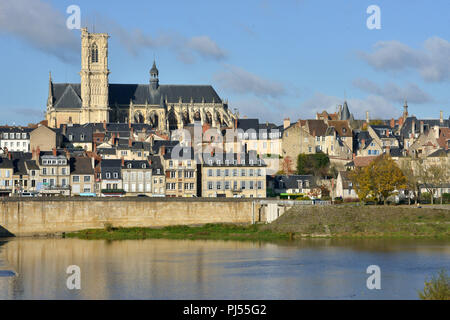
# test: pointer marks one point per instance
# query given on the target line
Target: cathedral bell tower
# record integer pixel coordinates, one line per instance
(94, 77)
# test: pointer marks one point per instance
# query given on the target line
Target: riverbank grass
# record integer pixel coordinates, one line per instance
(205, 232)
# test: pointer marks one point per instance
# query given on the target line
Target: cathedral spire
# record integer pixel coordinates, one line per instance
(154, 73)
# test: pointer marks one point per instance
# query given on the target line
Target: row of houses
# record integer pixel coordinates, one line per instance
(168, 173)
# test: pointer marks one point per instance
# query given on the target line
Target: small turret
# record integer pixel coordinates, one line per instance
(154, 80)
(50, 91)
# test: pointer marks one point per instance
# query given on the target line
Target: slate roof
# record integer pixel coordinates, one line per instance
(136, 164)
(111, 166)
(76, 131)
(81, 165)
(31, 165)
(110, 151)
(406, 129)
(345, 115)
(439, 153)
(156, 164)
(68, 95)
(5, 163)
(291, 182)
(251, 155)
(181, 153)
(157, 144)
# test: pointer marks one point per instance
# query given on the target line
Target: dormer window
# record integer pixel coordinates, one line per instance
(143, 166)
(82, 137)
(94, 53)
(129, 166)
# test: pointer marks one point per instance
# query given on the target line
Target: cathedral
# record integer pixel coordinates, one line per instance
(95, 100)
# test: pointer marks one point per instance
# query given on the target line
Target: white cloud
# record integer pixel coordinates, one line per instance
(432, 61)
(186, 49)
(238, 80)
(393, 92)
(41, 26)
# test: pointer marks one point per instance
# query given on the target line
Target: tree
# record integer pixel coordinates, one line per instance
(438, 288)
(433, 176)
(316, 164)
(379, 180)
(287, 166)
(412, 178)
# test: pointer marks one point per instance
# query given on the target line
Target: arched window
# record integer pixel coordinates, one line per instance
(94, 53)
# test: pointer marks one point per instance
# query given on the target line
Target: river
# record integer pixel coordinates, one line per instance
(174, 269)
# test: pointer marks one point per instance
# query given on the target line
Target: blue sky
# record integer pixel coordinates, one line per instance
(270, 59)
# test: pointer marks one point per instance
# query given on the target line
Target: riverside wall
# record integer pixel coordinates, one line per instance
(41, 216)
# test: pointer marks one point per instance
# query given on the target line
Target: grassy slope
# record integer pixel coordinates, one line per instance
(364, 221)
(339, 221)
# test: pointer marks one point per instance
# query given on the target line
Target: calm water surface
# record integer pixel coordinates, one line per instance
(173, 269)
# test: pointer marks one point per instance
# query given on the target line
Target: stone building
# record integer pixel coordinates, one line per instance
(233, 175)
(95, 100)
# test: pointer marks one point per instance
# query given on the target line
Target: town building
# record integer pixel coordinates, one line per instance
(229, 175)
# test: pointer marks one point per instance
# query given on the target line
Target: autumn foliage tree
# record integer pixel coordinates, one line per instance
(379, 180)
(287, 166)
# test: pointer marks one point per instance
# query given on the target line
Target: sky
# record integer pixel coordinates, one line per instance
(270, 59)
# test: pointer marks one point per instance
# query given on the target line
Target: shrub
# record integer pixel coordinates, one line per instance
(438, 288)
(303, 198)
(108, 227)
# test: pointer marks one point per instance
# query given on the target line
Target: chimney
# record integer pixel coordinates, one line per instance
(150, 162)
(392, 123)
(363, 142)
(421, 127)
(387, 132)
(130, 143)
(123, 161)
(163, 150)
(239, 158)
(129, 124)
(286, 123)
(9, 155)
(339, 110)
(413, 128)
(441, 118)
(104, 124)
(354, 156)
(235, 123)
(95, 147)
(64, 129)
(437, 132)
(38, 153)
(54, 151)
(367, 117)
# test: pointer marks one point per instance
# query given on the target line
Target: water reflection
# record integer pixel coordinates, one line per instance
(173, 269)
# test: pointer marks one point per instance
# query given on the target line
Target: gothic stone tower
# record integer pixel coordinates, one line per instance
(94, 77)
